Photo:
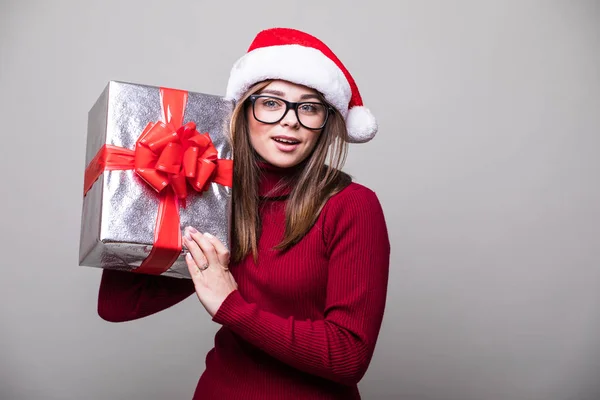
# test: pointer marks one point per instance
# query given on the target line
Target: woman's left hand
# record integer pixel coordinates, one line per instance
(208, 264)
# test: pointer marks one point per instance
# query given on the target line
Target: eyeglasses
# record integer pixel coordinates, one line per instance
(271, 110)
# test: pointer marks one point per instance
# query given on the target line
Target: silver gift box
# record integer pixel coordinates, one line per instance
(119, 212)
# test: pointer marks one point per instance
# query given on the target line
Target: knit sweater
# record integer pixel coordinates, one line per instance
(303, 323)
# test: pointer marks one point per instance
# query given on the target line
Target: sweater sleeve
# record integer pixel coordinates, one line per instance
(338, 347)
(125, 296)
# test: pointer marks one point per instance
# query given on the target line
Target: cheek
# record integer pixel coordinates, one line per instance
(314, 138)
(258, 133)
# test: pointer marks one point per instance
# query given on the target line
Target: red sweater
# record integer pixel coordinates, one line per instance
(303, 323)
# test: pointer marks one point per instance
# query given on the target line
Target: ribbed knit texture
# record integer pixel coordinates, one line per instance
(303, 323)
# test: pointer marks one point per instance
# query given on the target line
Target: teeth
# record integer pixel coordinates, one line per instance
(286, 141)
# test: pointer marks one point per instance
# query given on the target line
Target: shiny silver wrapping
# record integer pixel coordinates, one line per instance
(119, 212)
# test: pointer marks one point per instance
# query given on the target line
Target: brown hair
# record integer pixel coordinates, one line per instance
(315, 181)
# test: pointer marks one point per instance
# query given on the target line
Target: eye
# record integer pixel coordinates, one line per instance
(311, 108)
(271, 103)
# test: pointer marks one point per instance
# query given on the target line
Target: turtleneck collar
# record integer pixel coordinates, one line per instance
(275, 182)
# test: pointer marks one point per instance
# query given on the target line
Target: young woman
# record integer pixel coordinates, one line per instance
(302, 294)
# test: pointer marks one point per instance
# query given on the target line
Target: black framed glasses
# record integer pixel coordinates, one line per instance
(270, 110)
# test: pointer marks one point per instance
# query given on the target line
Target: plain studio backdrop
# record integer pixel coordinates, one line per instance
(486, 164)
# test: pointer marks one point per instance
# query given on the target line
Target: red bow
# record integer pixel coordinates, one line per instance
(167, 157)
(164, 157)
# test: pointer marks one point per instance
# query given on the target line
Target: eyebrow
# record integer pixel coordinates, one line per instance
(281, 94)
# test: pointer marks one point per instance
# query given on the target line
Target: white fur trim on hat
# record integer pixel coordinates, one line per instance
(294, 63)
(361, 125)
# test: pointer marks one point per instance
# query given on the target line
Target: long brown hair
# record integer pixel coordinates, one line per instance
(319, 178)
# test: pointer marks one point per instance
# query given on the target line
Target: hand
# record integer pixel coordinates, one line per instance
(208, 261)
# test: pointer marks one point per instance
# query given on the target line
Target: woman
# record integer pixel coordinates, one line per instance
(301, 297)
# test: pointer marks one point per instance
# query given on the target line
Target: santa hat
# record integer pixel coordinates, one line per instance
(297, 57)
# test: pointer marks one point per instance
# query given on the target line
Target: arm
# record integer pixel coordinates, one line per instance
(338, 347)
(125, 296)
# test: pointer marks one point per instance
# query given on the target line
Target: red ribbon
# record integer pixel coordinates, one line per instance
(168, 156)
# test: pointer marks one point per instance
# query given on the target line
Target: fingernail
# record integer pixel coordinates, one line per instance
(188, 236)
(208, 235)
(192, 229)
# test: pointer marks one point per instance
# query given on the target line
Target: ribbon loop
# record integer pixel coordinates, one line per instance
(159, 136)
(204, 172)
(170, 159)
(190, 156)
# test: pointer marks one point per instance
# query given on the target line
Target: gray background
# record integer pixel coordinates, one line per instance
(486, 165)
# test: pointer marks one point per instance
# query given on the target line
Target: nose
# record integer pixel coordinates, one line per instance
(290, 119)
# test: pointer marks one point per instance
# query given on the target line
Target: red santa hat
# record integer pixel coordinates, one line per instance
(297, 57)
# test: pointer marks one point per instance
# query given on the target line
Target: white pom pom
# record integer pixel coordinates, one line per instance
(361, 125)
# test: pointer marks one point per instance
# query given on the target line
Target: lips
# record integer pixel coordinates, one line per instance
(286, 144)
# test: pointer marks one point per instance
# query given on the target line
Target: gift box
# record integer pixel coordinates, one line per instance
(157, 160)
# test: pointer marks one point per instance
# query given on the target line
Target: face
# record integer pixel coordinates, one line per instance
(285, 143)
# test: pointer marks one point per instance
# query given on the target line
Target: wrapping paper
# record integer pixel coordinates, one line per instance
(122, 210)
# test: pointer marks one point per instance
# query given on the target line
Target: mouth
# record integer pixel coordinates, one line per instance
(286, 144)
(286, 140)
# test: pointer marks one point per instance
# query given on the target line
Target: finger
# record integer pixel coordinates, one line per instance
(198, 256)
(193, 269)
(205, 246)
(222, 251)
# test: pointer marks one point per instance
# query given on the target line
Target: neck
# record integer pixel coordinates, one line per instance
(276, 181)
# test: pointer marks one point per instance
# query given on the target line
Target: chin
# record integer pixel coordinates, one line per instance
(283, 162)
